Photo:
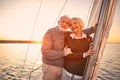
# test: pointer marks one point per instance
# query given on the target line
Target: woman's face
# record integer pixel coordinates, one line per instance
(75, 26)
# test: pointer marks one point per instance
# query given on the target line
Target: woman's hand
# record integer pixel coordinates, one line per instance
(91, 51)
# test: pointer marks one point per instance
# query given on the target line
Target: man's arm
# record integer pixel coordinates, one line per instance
(47, 50)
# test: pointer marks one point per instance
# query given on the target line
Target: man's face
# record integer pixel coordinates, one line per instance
(64, 23)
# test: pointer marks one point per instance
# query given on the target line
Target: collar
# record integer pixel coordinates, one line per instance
(61, 29)
(58, 29)
(73, 36)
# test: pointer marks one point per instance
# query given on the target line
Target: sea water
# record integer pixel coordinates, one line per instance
(19, 61)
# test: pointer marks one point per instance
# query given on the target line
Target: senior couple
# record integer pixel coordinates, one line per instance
(64, 53)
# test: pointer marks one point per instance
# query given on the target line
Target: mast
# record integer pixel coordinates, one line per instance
(104, 17)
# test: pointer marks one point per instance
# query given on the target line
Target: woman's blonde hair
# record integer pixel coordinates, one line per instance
(80, 21)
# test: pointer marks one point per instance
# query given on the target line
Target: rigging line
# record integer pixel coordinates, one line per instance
(31, 36)
(88, 13)
(32, 33)
(60, 11)
(32, 70)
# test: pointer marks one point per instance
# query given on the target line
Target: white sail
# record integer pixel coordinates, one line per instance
(102, 12)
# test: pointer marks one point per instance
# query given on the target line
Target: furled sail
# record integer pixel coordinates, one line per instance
(102, 12)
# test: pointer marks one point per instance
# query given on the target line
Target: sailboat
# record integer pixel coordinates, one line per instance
(103, 13)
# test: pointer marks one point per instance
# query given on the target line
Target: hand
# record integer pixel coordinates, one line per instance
(67, 51)
(95, 26)
(91, 51)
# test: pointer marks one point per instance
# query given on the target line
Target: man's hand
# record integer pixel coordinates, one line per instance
(67, 51)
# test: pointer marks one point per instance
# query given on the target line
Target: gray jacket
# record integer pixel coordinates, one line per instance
(53, 45)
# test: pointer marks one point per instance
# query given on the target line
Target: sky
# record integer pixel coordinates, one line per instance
(19, 19)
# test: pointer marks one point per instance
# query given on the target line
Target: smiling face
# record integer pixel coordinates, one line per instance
(64, 23)
(76, 25)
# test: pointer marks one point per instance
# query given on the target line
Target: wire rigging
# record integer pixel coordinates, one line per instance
(60, 11)
(32, 34)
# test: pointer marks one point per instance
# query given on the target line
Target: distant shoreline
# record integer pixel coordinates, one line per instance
(113, 42)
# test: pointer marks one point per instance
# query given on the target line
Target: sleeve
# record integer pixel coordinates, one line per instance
(47, 50)
(75, 56)
(89, 31)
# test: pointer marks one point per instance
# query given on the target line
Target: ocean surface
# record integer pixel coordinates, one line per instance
(19, 61)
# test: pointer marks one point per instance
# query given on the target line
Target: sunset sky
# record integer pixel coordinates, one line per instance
(18, 17)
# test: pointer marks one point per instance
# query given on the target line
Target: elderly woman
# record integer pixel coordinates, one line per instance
(81, 49)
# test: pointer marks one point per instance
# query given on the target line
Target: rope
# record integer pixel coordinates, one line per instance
(60, 11)
(31, 38)
(33, 71)
(32, 34)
